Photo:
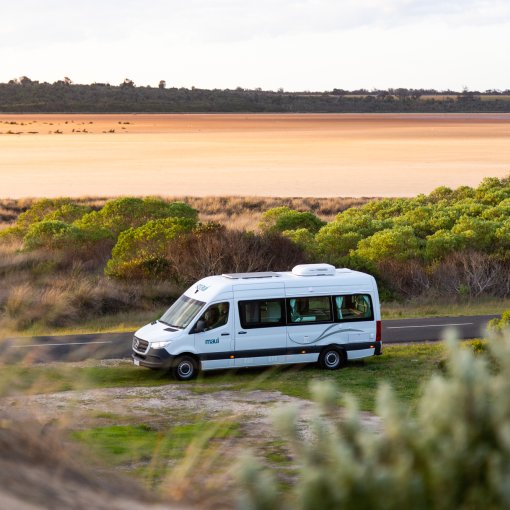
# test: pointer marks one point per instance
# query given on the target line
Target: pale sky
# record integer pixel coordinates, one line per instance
(296, 45)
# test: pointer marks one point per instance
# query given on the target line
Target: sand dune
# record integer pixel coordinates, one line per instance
(266, 155)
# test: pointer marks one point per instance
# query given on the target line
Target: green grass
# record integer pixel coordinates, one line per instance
(147, 451)
(403, 366)
(442, 308)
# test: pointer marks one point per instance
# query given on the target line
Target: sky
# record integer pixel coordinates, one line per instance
(295, 45)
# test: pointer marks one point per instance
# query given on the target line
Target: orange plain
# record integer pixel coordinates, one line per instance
(248, 154)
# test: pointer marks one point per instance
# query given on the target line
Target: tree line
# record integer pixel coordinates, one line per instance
(24, 95)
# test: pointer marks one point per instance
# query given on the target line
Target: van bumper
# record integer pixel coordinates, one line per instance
(153, 358)
(378, 348)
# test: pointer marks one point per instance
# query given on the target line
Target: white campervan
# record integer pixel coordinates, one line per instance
(314, 313)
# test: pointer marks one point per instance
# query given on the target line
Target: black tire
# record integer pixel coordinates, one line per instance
(332, 358)
(185, 368)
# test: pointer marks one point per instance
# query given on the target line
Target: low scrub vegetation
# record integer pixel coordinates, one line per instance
(450, 244)
(499, 326)
(453, 453)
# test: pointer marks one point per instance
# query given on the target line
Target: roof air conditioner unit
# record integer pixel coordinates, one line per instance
(314, 270)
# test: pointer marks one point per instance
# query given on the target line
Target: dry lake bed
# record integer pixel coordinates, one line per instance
(248, 154)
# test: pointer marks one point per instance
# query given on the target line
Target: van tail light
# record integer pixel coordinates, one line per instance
(378, 331)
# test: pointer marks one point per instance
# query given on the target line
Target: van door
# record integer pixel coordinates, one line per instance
(260, 332)
(310, 325)
(214, 335)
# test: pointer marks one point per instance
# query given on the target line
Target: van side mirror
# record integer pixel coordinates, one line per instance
(200, 326)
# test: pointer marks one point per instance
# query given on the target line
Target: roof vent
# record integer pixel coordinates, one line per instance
(314, 270)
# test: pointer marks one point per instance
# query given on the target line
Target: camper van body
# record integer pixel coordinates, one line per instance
(313, 313)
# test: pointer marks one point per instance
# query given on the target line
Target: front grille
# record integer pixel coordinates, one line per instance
(140, 345)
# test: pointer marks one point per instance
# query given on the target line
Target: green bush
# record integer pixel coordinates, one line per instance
(280, 219)
(51, 234)
(452, 454)
(141, 252)
(399, 243)
(303, 238)
(445, 221)
(501, 324)
(441, 243)
(123, 213)
(58, 209)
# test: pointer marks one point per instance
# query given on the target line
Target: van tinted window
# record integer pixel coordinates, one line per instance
(306, 310)
(262, 313)
(353, 307)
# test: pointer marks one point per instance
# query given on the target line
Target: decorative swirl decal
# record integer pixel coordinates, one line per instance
(326, 333)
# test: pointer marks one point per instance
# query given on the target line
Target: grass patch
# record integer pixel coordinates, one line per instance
(440, 308)
(148, 452)
(403, 366)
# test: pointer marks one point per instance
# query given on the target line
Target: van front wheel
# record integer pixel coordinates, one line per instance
(185, 368)
(332, 358)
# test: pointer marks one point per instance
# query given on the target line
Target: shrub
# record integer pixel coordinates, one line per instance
(279, 219)
(140, 252)
(51, 234)
(440, 244)
(59, 209)
(123, 213)
(453, 454)
(334, 243)
(304, 239)
(471, 273)
(218, 250)
(62, 209)
(399, 243)
(501, 324)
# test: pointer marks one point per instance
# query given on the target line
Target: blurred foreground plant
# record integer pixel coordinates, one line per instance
(498, 326)
(454, 453)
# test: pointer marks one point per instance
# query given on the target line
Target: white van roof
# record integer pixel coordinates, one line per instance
(303, 275)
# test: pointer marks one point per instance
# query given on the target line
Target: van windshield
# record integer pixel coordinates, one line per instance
(182, 312)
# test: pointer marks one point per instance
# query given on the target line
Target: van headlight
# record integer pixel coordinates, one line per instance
(160, 345)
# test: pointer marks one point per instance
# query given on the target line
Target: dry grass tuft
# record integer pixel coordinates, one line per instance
(39, 471)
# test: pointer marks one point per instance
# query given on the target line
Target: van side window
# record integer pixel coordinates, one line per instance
(353, 307)
(262, 313)
(215, 316)
(306, 310)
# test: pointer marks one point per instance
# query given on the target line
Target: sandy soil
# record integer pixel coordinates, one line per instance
(247, 154)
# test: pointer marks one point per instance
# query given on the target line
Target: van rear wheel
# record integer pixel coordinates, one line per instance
(185, 368)
(332, 358)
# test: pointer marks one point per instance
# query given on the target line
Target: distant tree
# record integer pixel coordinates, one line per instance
(127, 83)
(24, 80)
(162, 84)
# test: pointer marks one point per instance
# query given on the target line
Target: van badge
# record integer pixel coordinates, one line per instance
(212, 341)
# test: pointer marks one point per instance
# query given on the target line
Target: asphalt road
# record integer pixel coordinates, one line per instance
(43, 349)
